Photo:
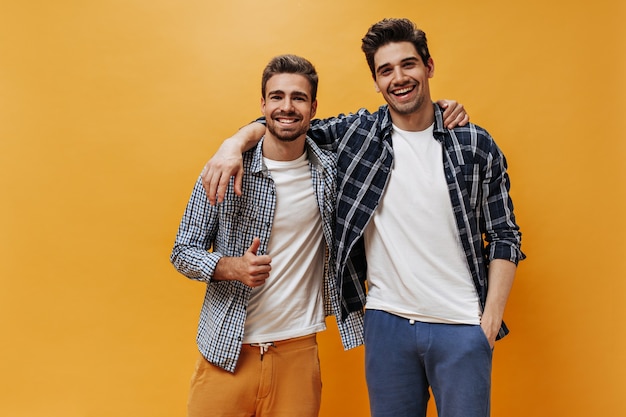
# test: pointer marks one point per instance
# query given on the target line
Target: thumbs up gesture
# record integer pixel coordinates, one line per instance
(251, 269)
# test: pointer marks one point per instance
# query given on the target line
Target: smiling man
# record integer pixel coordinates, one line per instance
(257, 331)
(424, 216)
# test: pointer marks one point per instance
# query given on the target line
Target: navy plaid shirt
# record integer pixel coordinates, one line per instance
(478, 184)
(228, 229)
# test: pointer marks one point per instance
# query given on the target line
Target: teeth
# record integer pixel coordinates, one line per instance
(403, 90)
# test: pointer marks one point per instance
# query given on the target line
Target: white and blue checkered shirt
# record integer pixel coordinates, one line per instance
(228, 230)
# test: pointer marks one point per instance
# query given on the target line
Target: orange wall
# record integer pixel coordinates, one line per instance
(109, 108)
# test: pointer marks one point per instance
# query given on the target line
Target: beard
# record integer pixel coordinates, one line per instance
(286, 135)
(406, 108)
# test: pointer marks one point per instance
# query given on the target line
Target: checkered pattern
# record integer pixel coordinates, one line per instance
(228, 230)
(478, 184)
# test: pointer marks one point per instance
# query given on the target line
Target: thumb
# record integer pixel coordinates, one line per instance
(256, 242)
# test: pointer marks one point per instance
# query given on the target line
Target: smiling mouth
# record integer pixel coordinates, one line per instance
(401, 92)
(286, 120)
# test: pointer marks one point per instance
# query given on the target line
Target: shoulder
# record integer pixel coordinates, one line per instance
(370, 125)
(253, 158)
(362, 115)
(472, 135)
(324, 157)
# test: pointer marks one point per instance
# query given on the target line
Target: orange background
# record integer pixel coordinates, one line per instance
(109, 109)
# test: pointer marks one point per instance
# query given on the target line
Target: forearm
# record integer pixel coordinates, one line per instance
(196, 235)
(247, 137)
(500, 281)
(225, 270)
(501, 230)
(194, 263)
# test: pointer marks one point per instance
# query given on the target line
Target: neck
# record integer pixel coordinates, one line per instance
(279, 150)
(416, 121)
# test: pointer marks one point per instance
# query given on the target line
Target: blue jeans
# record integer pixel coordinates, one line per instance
(404, 358)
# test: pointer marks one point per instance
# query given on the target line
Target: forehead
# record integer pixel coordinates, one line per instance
(394, 52)
(288, 84)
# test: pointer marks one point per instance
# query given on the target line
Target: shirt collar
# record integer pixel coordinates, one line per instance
(439, 130)
(315, 155)
(386, 125)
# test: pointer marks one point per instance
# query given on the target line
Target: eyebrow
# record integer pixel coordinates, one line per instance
(296, 93)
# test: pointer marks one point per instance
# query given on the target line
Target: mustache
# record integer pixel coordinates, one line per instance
(288, 114)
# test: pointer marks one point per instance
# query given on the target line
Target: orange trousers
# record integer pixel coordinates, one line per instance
(285, 381)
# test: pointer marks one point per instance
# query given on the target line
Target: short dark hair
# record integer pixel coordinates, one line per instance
(290, 64)
(393, 30)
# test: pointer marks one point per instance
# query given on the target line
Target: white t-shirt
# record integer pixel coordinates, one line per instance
(416, 267)
(290, 303)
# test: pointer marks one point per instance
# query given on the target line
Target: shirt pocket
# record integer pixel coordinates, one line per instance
(471, 175)
(245, 225)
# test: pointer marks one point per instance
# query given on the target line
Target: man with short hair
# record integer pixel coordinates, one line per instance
(257, 328)
(424, 216)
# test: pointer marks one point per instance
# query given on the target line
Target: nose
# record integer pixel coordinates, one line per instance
(287, 104)
(398, 74)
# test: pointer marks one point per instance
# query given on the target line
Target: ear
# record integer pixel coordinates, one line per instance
(376, 86)
(262, 105)
(431, 68)
(313, 109)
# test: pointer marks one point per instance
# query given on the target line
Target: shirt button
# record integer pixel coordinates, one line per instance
(411, 321)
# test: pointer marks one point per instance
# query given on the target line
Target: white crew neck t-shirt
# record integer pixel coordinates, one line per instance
(416, 267)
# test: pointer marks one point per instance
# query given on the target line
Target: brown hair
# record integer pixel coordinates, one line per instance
(290, 64)
(393, 30)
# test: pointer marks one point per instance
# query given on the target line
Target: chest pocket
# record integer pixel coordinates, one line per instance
(246, 225)
(472, 176)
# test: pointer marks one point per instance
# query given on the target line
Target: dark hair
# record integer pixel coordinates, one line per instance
(290, 64)
(393, 30)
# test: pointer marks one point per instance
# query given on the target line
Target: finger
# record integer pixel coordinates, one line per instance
(263, 260)
(448, 120)
(455, 116)
(239, 180)
(453, 112)
(261, 277)
(206, 177)
(257, 283)
(260, 270)
(206, 183)
(460, 119)
(213, 179)
(222, 187)
(254, 247)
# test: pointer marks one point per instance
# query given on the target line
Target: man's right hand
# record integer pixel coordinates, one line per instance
(251, 269)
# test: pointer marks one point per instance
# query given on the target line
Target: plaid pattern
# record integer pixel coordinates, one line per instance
(478, 183)
(229, 229)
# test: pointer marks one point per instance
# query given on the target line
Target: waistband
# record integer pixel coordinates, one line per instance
(287, 344)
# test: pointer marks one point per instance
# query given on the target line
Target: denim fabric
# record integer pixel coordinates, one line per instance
(404, 358)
